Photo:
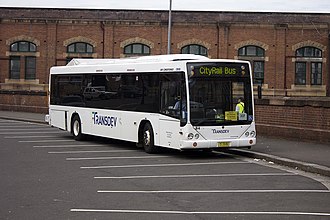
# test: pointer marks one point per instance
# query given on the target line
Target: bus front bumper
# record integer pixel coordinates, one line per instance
(212, 144)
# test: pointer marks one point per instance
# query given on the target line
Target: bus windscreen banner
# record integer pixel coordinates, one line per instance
(218, 70)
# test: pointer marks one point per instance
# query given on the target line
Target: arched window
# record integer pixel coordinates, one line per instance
(251, 51)
(255, 55)
(79, 50)
(80, 47)
(23, 54)
(137, 49)
(309, 52)
(194, 49)
(23, 46)
(308, 61)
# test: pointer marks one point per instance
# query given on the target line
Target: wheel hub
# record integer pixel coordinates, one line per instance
(146, 138)
(76, 128)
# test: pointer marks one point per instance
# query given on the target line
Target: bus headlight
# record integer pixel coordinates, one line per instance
(251, 134)
(191, 136)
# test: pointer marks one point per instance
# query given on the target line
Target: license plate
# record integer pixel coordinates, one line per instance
(223, 144)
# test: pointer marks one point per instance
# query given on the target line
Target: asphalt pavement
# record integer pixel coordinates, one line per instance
(306, 156)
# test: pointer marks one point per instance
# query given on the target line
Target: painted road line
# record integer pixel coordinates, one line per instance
(69, 146)
(27, 129)
(90, 151)
(215, 191)
(20, 126)
(196, 175)
(12, 122)
(41, 141)
(18, 137)
(199, 212)
(164, 165)
(111, 158)
(32, 132)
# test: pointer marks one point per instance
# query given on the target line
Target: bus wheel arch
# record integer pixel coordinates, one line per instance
(146, 137)
(76, 127)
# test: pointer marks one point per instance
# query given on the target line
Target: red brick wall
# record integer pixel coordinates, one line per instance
(305, 120)
(27, 102)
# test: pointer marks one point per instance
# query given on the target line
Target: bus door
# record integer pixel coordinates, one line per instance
(173, 108)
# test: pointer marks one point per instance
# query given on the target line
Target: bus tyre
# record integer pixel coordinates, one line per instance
(76, 128)
(148, 139)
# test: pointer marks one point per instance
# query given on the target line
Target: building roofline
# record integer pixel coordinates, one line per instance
(166, 11)
(137, 17)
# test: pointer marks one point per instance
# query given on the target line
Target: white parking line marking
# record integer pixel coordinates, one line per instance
(196, 175)
(20, 126)
(111, 158)
(215, 191)
(41, 141)
(32, 132)
(194, 213)
(69, 146)
(90, 151)
(17, 137)
(26, 129)
(163, 165)
(10, 122)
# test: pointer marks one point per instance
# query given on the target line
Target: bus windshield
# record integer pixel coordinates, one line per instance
(220, 94)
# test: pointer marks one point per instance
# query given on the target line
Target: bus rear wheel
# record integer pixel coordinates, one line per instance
(148, 139)
(76, 128)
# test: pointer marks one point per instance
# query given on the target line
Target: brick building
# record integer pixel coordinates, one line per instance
(289, 53)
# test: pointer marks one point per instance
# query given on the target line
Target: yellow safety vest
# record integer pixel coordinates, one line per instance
(241, 107)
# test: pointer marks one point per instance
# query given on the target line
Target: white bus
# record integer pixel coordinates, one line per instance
(176, 101)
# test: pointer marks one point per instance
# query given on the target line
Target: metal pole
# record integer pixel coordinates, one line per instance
(169, 29)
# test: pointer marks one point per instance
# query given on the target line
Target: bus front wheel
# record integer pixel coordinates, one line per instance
(76, 128)
(148, 139)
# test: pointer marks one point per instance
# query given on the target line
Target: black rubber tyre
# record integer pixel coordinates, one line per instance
(76, 129)
(148, 139)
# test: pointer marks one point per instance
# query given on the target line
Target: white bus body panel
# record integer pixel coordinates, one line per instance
(57, 118)
(169, 132)
(122, 125)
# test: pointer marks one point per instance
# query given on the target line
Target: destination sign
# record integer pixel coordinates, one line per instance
(218, 70)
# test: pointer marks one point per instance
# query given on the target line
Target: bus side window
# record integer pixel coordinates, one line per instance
(67, 90)
(150, 92)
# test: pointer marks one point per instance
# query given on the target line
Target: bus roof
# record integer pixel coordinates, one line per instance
(144, 59)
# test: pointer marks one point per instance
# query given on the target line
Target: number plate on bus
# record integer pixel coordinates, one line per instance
(223, 144)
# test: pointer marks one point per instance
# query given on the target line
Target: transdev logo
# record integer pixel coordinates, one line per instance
(104, 120)
(216, 131)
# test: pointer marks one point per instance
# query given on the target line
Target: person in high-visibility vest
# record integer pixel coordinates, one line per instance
(240, 105)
